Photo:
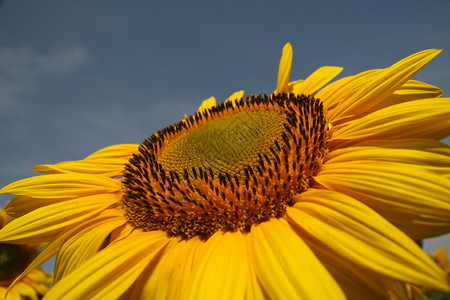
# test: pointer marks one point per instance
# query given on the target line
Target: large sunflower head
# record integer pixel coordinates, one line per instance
(14, 259)
(312, 192)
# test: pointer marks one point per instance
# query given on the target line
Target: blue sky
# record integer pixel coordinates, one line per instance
(76, 76)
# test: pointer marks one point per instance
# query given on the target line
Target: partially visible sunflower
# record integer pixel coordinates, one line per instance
(13, 261)
(440, 257)
(313, 192)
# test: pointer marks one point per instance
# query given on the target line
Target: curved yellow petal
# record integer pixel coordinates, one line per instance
(286, 267)
(115, 151)
(427, 118)
(83, 244)
(208, 103)
(352, 230)
(376, 87)
(98, 166)
(109, 273)
(44, 224)
(62, 186)
(428, 145)
(411, 90)
(169, 272)
(315, 81)
(219, 278)
(435, 162)
(357, 282)
(235, 96)
(21, 205)
(52, 248)
(284, 71)
(415, 200)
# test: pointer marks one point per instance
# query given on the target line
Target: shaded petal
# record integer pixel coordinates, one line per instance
(113, 270)
(122, 232)
(44, 224)
(378, 86)
(100, 166)
(39, 280)
(4, 218)
(315, 81)
(208, 103)
(62, 186)
(115, 151)
(286, 267)
(25, 291)
(345, 227)
(219, 278)
(415, 200)
(284, 71)
(84, 243)
(427, 118)
(14, 295)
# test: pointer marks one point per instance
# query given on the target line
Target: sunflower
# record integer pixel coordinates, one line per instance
(314, 192)
(13, 260)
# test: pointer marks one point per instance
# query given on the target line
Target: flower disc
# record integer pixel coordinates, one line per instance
(13, 260)
(227, 167)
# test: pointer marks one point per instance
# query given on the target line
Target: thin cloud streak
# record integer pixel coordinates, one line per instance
(22, 68)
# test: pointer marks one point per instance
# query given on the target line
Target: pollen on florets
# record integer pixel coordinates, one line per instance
(226, 168)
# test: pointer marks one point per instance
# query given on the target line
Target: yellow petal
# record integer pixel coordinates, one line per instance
(21, 205)
(52, 248)
(413, 199)
(360, 283)
(236, 96)
(122, 232)
(435, 162)
(83, 244)
(98, 166)
(62, 186)
(170, 272)
(427, 118)
(428, 145)
(208, 103)
(286, 267)
(109, 273)
(378, 86)
(315, 81)
(26, 291)
(219, 278)
(254, 289)
(411, 90)
(44, 224)
(284, 71)
(115, 151)
(344, 226)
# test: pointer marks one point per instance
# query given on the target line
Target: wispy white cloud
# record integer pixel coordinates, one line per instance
(22, 67)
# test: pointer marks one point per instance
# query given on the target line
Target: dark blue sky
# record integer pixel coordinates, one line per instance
(76, 76)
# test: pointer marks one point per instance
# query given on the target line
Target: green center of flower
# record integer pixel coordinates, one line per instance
(223, 144)
(226, 168)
